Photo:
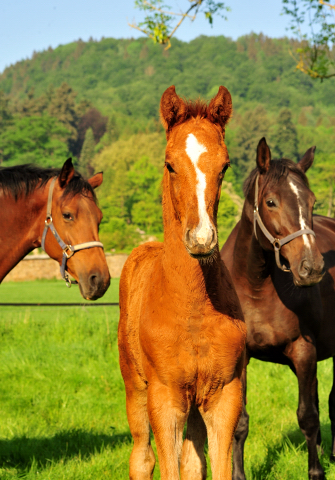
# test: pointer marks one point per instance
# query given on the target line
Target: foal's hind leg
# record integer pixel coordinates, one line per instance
(193, 462)
(167, 419)
(303, 357)
(332, 414)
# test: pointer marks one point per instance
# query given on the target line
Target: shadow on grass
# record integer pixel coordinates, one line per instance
(295, 441)
(21, 453)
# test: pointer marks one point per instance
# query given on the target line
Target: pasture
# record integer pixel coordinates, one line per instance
(62, 403)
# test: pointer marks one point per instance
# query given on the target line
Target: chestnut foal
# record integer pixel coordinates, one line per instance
(181, 332)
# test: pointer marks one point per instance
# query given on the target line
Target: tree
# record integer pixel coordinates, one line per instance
(285, 139)
(91, 119)
(253, 127)
(161, 23)
(317, 49)
(5, 113)
(87, 154)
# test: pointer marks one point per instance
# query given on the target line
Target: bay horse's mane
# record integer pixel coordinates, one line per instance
(22, 180)
(278, 169)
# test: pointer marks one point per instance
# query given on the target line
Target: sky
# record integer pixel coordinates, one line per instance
(34, 25)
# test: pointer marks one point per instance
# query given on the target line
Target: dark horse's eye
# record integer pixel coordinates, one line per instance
(270, 203)
(168, 166)
(223, 171)
(67, 216)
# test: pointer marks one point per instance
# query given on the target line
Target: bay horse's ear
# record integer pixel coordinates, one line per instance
(263, 156)
(66, 173)
(96, 180)
(220, 108)
(307, 160)
(172, 108)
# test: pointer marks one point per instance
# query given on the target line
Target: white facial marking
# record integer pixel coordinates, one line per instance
(194, 149)
(303, 225)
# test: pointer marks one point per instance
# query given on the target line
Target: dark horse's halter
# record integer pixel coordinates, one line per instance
(68, 250)
(276, 242)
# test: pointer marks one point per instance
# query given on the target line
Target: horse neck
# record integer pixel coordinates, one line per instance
(182, 273)
(249, 259)
(22, 223)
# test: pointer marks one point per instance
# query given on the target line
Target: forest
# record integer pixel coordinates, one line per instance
(98, 101)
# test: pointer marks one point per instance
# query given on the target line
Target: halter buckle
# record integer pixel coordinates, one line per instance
(48, 220)
(67, 249)
(276, 244)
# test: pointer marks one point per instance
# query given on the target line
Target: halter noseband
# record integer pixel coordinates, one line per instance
(68, 250)
(276, 242)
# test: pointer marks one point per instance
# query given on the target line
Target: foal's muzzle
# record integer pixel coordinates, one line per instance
(200, 247)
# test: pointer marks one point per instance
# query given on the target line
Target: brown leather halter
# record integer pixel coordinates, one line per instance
(276, 242)
(68, 250)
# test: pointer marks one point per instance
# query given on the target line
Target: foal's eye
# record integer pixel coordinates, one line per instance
(270, 203)
(168, 166)
(225, 168)
(67, 216)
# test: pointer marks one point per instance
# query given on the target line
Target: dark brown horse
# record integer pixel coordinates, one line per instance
(286, 323)
(55, 208)
(181, 330)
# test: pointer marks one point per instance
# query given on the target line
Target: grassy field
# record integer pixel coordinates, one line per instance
(62, 403)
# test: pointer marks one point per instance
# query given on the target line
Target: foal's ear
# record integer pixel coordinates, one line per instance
(96, 180)
(263, 156)
(220, 108)
(66, 173)
(172, 108)
(307, 160)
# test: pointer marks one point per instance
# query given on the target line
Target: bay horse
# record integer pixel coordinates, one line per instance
(287, 322)
(181, 331)
(55, 209)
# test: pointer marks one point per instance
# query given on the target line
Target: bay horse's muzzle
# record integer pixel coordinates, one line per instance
(310, 271)
(200, 246)
(94, 285)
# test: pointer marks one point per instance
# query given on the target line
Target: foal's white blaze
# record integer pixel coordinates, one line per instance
(303, 225)
(194, 149)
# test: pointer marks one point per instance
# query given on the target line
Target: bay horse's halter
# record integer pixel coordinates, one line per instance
(276, 242)
(68, 250)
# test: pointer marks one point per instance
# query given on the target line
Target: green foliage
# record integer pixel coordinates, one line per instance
(285, 138)
(39, 140)
(87, 154)
(317, 49)
(160, 23)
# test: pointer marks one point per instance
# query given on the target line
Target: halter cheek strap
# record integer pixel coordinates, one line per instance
(68, 250)
(276, 242)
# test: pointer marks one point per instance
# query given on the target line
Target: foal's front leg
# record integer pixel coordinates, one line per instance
(241, 434)
(193, 462)
(221, 420)
(167, 419)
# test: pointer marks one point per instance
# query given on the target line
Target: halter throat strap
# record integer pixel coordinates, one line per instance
(276, 242)
(68, 250)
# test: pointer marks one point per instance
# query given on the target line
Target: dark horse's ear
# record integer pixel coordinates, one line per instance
(263, 156)
(172, 108)
(220, 108)
(66, 173)
(307, 160)
(96, 180)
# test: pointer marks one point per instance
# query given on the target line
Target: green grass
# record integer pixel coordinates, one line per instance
(62, 405)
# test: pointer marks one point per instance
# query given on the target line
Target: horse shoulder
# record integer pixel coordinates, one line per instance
(134, 278)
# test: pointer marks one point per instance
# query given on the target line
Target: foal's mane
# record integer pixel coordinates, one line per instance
(22, 180)
(278, 169)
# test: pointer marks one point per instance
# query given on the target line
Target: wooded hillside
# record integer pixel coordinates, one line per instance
(98, 101)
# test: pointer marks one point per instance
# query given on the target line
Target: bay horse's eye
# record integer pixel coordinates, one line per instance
(168, 166)
(225, 168)
(270, 203)
(67, 216)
